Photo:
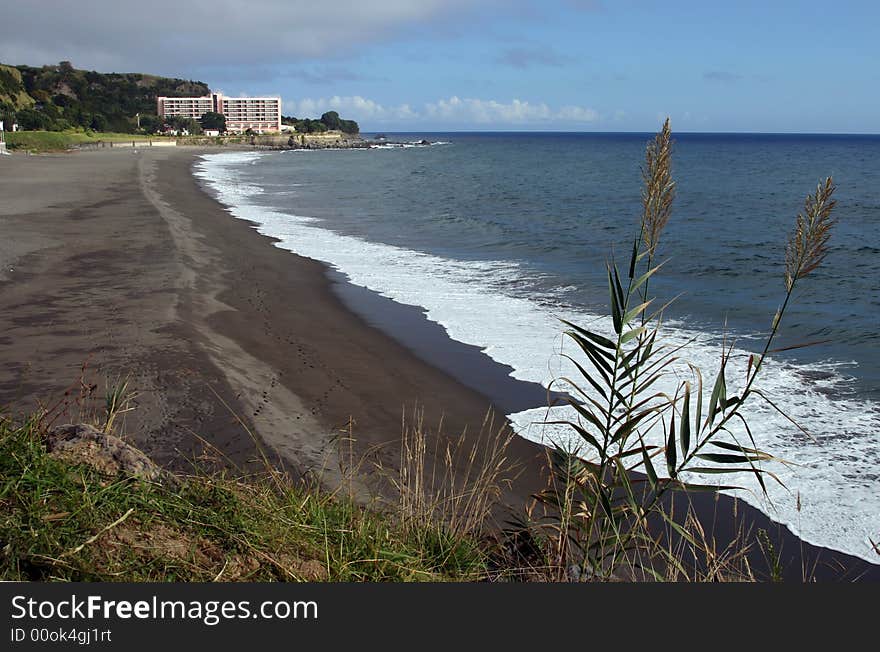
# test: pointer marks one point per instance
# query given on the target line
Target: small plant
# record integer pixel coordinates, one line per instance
(117, 402)
(598, 512)
(771, 555)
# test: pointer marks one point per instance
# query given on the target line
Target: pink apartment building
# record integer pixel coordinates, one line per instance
(259, 114)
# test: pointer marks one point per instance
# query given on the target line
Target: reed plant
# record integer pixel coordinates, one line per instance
(599, 516)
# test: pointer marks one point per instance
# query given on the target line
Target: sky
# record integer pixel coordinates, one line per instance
(444, 65)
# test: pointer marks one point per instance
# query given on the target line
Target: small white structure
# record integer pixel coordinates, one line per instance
(212, 132)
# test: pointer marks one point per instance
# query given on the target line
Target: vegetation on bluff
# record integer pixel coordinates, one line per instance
(330, 121)
(60, 97)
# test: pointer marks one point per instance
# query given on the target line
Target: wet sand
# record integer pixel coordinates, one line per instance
(120, 260)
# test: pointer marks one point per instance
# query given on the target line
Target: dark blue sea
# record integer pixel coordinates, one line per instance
(498, 235)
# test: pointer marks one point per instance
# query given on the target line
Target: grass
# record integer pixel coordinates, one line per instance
(62, 521)
(59, 141)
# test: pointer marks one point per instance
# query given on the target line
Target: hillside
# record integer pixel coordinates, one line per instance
(61, 97)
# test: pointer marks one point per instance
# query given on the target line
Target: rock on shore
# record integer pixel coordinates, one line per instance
(108, 454)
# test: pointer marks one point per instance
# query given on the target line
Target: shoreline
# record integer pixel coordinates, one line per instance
(185, 291)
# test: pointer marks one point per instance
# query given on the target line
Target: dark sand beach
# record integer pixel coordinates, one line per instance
(119, 260)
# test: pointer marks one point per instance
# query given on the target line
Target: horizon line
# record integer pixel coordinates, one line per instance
(632, 132)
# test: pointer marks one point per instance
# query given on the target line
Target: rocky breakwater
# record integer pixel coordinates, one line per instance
(324, 140)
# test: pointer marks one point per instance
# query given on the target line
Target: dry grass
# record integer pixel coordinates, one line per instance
(67, 521)
(441, 480)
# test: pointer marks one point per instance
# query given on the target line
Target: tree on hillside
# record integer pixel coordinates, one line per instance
(308, 126)
(7, 115)
(213, 120)
(179, 123)
(151, 123)
(98, 122)
(349, 126)
(331, 120)
(69, 97)
(31, 120)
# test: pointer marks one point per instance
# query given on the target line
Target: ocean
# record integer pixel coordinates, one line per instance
(498, 236)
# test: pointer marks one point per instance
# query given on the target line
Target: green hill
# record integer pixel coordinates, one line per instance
(61, 97)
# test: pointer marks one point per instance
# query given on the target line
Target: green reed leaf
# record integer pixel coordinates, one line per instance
(588, 376)
(685, 434)
(709, 488)
(600, 365)
(616, 314)
(649, 468)
(626, 429)
(698, 413)
(726, 458)
(671, 459)
(648, 349)
(584, 344)
(621, 297)
(635, 332)
(598, 339)
(632, 314)
(634, 451)
(585, 435)
(741, 449)
(634, 258)
(587, 415)
(644, 277)
(606, 505)
(678, 528)
(717, 392)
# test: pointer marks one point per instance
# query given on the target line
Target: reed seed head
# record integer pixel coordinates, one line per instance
(659, 188)
(808, 245)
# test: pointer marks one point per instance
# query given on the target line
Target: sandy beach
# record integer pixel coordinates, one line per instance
(120, 261)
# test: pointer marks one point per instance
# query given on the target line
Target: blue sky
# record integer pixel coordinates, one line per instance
(584, 65)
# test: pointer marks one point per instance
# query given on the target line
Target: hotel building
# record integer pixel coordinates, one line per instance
(259, 114)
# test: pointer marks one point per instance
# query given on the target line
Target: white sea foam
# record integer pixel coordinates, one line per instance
(834, 472)
(409, 145)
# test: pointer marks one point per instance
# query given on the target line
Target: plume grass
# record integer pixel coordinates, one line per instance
(603, 514)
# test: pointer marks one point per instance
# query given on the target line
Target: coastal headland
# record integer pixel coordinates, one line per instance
(117, 264)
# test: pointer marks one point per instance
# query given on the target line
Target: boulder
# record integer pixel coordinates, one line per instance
(108, 454)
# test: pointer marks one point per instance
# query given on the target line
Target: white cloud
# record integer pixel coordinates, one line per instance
(515, 112)
(349, 107)
(451, 112)
(165, 34)
(577, 114)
